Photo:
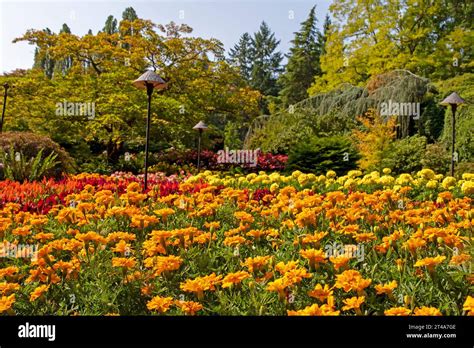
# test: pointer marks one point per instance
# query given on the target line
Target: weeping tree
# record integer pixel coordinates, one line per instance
(335, 112)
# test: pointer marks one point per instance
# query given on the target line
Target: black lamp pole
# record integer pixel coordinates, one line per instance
(149, 81)
(199, 149)
(6, 86)
(454, 100)
(453, 124)
(149, 92)
(201, 127)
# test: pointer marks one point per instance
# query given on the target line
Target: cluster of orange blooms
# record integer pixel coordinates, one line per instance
(274, 244)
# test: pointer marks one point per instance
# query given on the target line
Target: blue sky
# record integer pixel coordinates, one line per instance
(225, 20)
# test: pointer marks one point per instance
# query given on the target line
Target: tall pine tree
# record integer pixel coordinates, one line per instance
(110, 26)
(303, 61)
(266, 62)
(241, 56)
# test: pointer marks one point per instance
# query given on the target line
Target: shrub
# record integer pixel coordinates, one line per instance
(318, 155)
(437, 158)
(30, 144)
(405, 155)
(17, 167)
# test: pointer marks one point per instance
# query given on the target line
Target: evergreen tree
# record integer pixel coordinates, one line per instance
(110, 25)
(322, 38)
(129, 14)
(241, 56)
(303, 61)
(266, 62)
(64, 65)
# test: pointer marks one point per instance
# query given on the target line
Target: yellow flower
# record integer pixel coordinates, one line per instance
(468, 187)
(351, 280)
(386, 171)
(6, 303)
(38, 292)
(314, 256)
(123, 262)
(386, 288)
(397, 311)
(320, 292)
(189, 307)
(234, 278)
(353, 303)
(468, 306)
(427, 311)
(430, 262)
(159, 304)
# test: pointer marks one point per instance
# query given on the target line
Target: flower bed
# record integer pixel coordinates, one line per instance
(256, 244)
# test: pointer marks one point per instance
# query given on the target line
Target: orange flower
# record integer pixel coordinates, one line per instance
(235, 240)
(320, 292)
(351, 280)
(340, 261)
(234, 278)
(123, 262)
(314, 256)
(386, 288)
(397, 311)
(200, 284)
(122, 247)
(353, 303)
(38, 292)
(430, 262)
(162, 264)
(6, 303)
(256, 263)
(189, 307)
(91, 237)
(7, 288)
(279, 285)
(159, 304)
(244, 216)
(468, 306)
(427, 311)
(8, 271)
(458, 260)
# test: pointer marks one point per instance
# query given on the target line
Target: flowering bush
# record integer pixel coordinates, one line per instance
(255, 244)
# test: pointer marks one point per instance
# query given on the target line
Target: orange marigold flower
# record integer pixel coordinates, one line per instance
(214, 225)
(468, 306)
(200, 284)
(38, 292)
(256, 263)
(123, 248)
(91, 237)
(397, 311)
(386, 288)
(160, 304)
(234, 278)
(353, 303)
(351, 280)
(279, 285)
(244, 216)
(6, 303)
(123, 262)
(321, 292)
(117, 236)
(314, 256)
(458, 260)
(427, 311)
(8, 271)
(430, 262)
(7, 288)
(283, 267)
(340, 261)
(189, 307)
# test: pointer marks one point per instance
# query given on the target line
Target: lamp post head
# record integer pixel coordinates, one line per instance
(150, 78)
(453, 99)
(200, 126)
(6, 85)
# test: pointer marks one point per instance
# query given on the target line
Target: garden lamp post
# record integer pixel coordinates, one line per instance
(149, 81)
(6, 86)
(200, 126)
(454, 100)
